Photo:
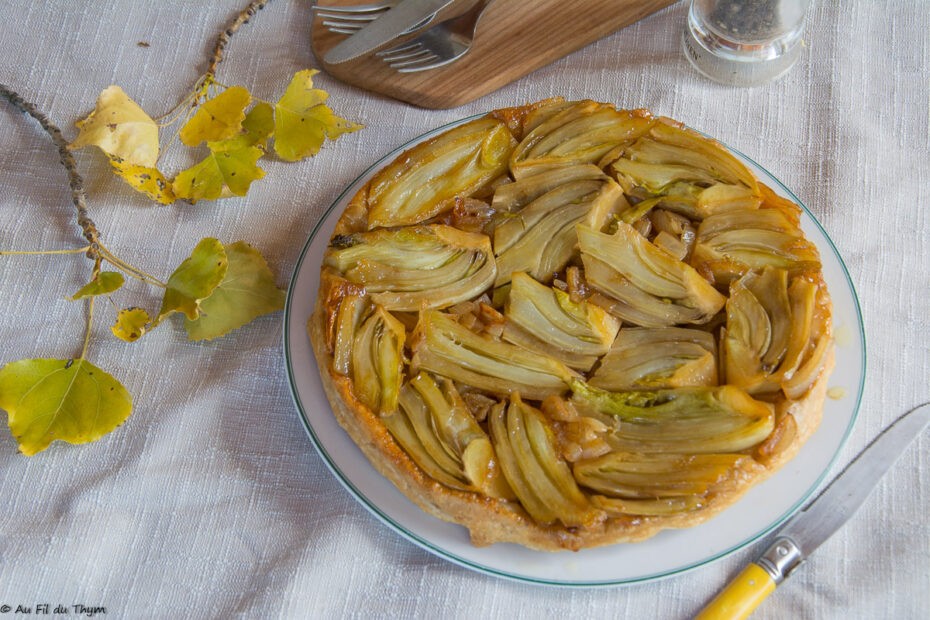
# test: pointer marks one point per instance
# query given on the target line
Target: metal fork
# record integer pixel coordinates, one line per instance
(348, 10)
(440, 45)
(349, 19)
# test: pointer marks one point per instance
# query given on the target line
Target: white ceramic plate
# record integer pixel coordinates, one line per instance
(670, 552)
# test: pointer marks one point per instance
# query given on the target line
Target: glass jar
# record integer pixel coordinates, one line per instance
(744, 42)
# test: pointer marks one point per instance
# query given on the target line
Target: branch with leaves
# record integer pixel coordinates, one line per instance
(235, 127)
(218, 288)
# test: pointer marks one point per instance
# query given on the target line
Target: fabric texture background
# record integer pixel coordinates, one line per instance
(210, 501)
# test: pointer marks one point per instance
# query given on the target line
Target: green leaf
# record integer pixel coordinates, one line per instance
(194, 280)
(119, 128)
(303, 121)
(218, 118)
(145, 179)
(103, 283)
(221, 175)
(69, 400)
(131, 324)
(257, 127)
(247, 292)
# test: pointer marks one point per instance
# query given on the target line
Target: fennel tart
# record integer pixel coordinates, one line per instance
(565, 325)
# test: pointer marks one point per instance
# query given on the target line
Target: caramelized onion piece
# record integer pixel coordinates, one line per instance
(785, 433)
(675, 232)
(577, 436)
(466, 214)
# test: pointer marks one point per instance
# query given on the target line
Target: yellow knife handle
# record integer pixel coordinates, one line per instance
(741, 596)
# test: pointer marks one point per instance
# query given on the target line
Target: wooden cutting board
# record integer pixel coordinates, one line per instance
(514, 37)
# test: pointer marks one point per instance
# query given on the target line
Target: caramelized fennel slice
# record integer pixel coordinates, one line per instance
(352, 309)
(697, 202)
(541, 239)
(731, 243)
(436, 443)
(632, 475)
(458, 162)
(398, 424)
(446, 437)
(377, 361)
(770, 330)
(653, 287)
(615, 506)
(500, 437)
(445, 347)
(670, 143)
(406, 269)
(582, 132)
(684, 420)
(655, 358)
(684, 172)
(542, 111)
(576, 333)
(537, 474)
(510, 197)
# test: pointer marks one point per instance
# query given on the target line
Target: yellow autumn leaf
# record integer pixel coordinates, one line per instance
(247, 292)
(131, 324)
(194, 280)
(257, 127)
(120, 128)
(220, 175)
(103, 283)
(218, 118)
(150, 181)
(303, 121)
(67, 400)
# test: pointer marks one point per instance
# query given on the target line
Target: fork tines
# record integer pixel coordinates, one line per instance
(353, 8)
(405, 55)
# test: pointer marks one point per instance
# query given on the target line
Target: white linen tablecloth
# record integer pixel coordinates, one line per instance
(210, 501)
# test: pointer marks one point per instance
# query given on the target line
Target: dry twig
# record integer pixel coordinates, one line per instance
(75, 180)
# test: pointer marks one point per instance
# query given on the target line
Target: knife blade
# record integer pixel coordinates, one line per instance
(384, 29)
(808, 529)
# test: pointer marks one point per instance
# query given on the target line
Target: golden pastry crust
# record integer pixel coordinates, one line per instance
(493, 519)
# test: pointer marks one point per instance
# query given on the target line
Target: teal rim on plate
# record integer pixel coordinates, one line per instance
(296, 342)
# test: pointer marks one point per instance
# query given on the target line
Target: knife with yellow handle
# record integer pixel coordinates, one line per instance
(817, 521)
